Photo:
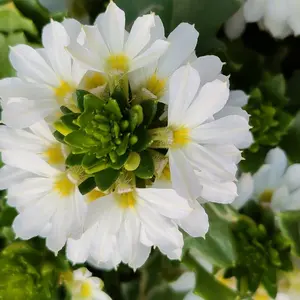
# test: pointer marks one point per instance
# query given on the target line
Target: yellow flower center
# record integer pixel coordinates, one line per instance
(54, 155)
(64, 186)
(181, 137)
(94, 195)
(126, 200)
(94, 81)
(118, 62)
(86, 290)
(63, 92)
(156, 85)
(266, 196)
(166, 174)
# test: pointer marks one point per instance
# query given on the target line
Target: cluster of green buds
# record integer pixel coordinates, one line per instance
(109, 140)
(262, 250)
(266, 105)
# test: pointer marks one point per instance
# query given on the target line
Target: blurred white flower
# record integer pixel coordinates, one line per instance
(274, 183)
(280, 18)
(83, 286)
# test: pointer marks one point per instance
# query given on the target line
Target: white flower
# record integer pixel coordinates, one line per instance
(151, 81)
(85, 287)
(108, 48)
(280, 18)
(197, 142)
(48, 200)
(273, 183)
(47, 77)
(124, 227)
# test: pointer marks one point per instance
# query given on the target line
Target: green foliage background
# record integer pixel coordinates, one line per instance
(269, 71)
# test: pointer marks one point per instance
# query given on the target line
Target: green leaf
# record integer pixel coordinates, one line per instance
(74, 159)
(7, 215)
(270, 282)
(121, 160)
(106, 178)
(89, 160)
(206, 284)
(11, 20)
(144, 140)
(68, 120)
(80, 139)
(149, 110)
(34, 11)
(87, 186)
(146, 168)
(218, 245)
(92, 102)
(289, 223)
(59, 137)
(80, 98)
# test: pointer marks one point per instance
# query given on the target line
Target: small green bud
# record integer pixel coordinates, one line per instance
(113, 156)
(133, 140)
(132, 162)
(124, 125)
(123, 146)
(113, 107)
(116, 129)
(139, 110)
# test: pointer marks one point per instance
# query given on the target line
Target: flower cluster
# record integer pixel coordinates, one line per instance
(280, 18)
(113, 140)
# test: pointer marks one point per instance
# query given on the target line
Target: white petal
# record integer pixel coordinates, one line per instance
(113, 27)
(283, 201)
(211, 99)
(228, 152)
(88, 59)
(235, 26)
(55, 39)
(291, 177)
(261, 179)
(232, 110)
(106, 210)
(293, 20)
(151, 55)
(30, 64)
(28, 162)
(183, 87)
(16, 139)
(278, 161)
(245, 187)
(139, 35)
(42, 130)
(158, 31)
(254, 10)
(162, 232)
(31, 221)
(210, 162)
(209, 67)
(183, 177)
(26, 192)
(10, 176)
(72, 27)
(183, 40)
(238, 98)
(196, 223)
(215, 191)
(276, 16)
(77, 251)
(166, 201)
(28, 111)
(228, 130)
